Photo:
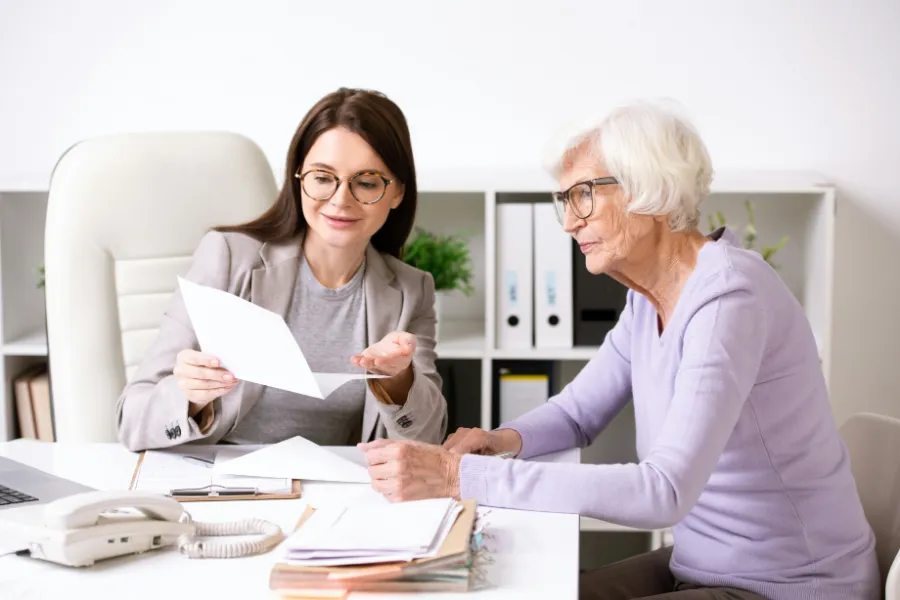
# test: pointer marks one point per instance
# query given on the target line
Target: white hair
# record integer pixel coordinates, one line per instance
(655, 153)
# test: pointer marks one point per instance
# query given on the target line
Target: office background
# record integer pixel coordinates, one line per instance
(772, 85)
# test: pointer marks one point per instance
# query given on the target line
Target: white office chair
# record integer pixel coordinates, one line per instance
(874, 445)
(124, 215)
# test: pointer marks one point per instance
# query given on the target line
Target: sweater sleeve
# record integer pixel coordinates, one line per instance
(722, 351)
(584, 408)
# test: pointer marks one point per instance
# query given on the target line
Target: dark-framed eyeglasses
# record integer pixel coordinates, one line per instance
(579, 198)
(368, 187)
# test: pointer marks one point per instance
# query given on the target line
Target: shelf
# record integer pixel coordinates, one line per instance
(589, 524)
(33, 344)
(536, 180)
(18, 186)
(579, 354)
(461, 339)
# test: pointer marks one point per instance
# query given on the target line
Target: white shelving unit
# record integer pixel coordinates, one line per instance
(799, 205)
(23, 337)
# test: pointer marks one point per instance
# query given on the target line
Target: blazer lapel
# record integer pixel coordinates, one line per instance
(383, 304)
(272, 287)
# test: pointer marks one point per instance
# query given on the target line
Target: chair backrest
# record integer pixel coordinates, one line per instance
(124, 216)
(874, 445)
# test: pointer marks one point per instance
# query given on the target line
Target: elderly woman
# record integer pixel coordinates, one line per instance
(737, 444)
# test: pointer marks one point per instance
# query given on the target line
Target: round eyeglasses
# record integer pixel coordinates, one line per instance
(368, 187)
(579, 198)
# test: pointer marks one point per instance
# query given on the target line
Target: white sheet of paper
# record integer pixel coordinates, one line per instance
(164, 470)
(295, 458)
(343, 532)
(254, 343)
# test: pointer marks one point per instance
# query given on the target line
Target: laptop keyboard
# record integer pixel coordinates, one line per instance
(11, 496)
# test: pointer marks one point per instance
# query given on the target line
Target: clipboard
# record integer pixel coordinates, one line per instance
(220, 493)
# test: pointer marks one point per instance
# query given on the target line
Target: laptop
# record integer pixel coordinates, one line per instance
(21, 485)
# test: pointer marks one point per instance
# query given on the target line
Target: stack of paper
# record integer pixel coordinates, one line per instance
(421, 546)
(373, 534)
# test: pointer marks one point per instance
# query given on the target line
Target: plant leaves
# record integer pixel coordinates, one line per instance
(446, 257)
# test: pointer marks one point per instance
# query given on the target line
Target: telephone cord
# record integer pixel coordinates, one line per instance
(194, 548)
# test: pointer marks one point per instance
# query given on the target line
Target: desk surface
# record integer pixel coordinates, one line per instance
(534, 554)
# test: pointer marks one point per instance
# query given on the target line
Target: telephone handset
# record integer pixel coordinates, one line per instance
(81, 529)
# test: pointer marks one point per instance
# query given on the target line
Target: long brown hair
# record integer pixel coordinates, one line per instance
(377, 120)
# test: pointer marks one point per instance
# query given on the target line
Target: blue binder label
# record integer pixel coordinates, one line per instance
(551, 288)
(512, 287)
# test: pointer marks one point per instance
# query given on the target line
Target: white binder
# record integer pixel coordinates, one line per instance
(553, 322)
(520, 394)
(515, 242)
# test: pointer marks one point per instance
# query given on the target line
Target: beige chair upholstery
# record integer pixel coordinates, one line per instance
(124, 216)
(874, 445)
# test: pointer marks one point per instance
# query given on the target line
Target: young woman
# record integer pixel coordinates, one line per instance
(326, 257)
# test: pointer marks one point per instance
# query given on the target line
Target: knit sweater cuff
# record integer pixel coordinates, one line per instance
(473, 478)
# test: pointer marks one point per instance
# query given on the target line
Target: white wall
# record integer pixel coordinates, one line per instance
(776, 84)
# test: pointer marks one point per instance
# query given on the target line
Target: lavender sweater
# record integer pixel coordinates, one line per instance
(737, 445)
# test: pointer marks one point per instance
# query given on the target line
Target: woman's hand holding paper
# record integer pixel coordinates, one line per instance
(392, 356)
(201, 378)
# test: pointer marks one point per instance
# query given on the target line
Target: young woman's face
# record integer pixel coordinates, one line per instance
(358, 190)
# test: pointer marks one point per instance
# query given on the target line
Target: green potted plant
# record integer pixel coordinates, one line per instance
(717, 220)
(447, 258)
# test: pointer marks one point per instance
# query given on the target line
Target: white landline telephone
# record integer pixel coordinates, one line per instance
(81, 529)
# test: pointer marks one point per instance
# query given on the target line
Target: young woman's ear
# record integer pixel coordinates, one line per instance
(398, 198)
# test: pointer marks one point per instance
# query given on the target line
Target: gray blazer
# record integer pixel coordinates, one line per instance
(153, 412)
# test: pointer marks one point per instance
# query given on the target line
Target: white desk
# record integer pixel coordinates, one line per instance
(535, 554)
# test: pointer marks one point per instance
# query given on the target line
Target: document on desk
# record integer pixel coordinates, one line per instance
(295, 458)
(192, 468)
(336, 535)
(254, 343)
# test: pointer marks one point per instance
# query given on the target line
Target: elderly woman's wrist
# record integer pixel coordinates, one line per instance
(451, 473)
(508, 440)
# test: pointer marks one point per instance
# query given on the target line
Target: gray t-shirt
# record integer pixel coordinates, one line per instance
(330, 327)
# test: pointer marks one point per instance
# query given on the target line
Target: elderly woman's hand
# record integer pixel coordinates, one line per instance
(479, 441)
(404, 470)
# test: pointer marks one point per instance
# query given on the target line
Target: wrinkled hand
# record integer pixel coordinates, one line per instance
(403, 470)
(479, 441)
(391, 356)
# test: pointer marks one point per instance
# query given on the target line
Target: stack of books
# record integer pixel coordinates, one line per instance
(33, 404)
(420, 546)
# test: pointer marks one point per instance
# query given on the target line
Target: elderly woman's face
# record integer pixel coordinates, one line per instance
(609, 235)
